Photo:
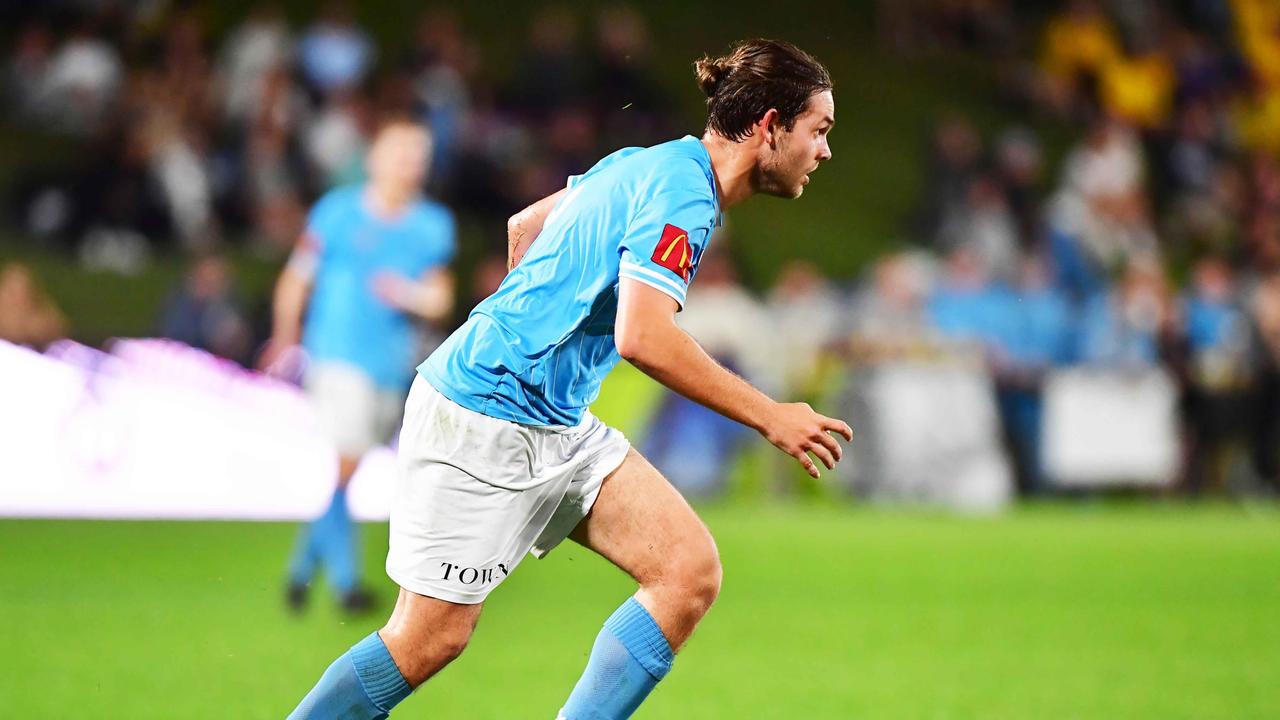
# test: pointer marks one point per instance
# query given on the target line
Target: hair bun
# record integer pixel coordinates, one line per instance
(710, 74)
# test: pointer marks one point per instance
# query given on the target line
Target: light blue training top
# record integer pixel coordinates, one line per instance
(351, 246)
(536, 351)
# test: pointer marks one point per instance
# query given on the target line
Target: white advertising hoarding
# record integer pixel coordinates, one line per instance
(1110, 427)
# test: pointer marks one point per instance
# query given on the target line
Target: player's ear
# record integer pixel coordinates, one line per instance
(768, 127)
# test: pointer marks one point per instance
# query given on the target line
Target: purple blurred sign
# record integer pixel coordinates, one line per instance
(156, 429)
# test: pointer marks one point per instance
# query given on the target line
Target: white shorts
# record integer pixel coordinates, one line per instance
(475, 493)
(355, 413)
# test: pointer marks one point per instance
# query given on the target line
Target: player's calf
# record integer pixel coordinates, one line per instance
(365, 683)
(642, 525)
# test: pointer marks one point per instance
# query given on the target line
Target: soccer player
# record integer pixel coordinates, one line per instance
(499, 455)
(373, 258)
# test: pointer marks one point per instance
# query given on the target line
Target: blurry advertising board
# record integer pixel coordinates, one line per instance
(927, 433)
(1110, 427)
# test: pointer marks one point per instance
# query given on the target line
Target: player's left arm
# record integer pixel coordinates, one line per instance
(647, 336)
(429, 297)
(524, 226)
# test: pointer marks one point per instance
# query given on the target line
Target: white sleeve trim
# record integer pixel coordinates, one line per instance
(304, 261)
(653, 279)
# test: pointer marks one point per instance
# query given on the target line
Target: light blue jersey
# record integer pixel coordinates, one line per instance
(352, 246)
(536, 351)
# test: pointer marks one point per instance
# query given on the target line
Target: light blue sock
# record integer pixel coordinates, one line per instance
(629, 658)
(363, 684)
(337, 533)
(306, 555)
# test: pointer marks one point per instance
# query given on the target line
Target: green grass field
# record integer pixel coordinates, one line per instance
(1088, 611)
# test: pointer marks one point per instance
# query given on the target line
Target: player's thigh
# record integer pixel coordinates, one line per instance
(642, 524)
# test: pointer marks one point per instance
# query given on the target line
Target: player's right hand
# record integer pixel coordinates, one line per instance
(280, 358)
(797, 430)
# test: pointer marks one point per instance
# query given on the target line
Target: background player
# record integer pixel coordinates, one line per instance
(499, 455)
(373, 258)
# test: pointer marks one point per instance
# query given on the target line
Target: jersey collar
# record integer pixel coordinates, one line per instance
(705, 159)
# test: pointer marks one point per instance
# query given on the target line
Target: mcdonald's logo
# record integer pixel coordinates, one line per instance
(673, 252)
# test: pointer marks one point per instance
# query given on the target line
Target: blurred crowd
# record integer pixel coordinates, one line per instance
(1152, 246)
(185, 138)
(1155, 244)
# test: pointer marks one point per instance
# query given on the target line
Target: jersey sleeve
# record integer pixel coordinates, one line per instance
(324, 216)
(664, 242)
(317, 236)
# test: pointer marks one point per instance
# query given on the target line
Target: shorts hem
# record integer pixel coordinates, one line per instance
(540, 552)
(431, 591)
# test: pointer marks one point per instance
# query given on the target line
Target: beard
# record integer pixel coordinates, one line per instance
(772, 177)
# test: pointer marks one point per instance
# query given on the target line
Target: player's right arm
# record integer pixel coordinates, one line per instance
(647, 336)
(289, 301)
(524, 226)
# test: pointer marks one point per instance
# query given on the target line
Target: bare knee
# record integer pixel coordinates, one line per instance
(420, 655)
(426, 637)
(694, 579)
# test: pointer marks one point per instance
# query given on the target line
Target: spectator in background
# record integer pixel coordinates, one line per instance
(255, 48)
(1099, 220)
(1264, 311)
(1257, 22)
(1039, 336)
(1078, 42)
(1194, 152)
(205, 312)
(271, 163)
(1137, 86)
(1203, 72)
(1124, 327)
(25, 70)
(335, 54)
(694, 447)
(373, 258)
(336, 139)
(176, 169)
(984, 225)
(1256, 116)
(888, 317)
(1019, 167)
(967, 308)
(28, 316)
(952, 162)
(808, 318)
(1217, 373)
(81, 82)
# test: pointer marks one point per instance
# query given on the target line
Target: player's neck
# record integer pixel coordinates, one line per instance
(732, 168)
(389, 200)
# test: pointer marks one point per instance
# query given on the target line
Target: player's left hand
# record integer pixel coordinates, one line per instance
(394, 290)
(799, 431)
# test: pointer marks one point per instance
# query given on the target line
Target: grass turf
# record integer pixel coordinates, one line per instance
(1068, 612)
